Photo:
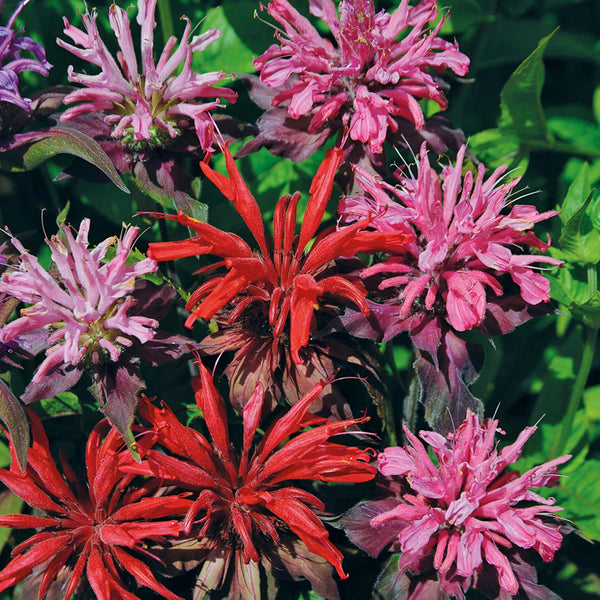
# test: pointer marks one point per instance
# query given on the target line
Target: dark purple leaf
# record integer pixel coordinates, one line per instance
(116, 389)
(504, 314)
(529, 589)
(15, 419)
(284, 136)
(438, 132)
(55, 382)
(356, 523)
(301, 564)
(164, 348)
(444, 380)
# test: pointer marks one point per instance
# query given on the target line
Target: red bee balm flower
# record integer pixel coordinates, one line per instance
(271, 294)
(94, 528)
(246, 511)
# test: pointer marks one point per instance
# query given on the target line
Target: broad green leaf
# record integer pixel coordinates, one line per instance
(521, 104)
(10, 504)
(242, 39)
(567, 289)
(580, 240)
(496, 147)
(13, 416)
(57, 140)
(65, 403)
(583, 136)
(588, 312)
(577, 194)
(579, 495)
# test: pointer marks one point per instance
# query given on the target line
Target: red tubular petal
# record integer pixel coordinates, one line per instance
(25, 488)
(355, 292)
(304, 299)
(215, 413)
(142, 574)
(320, 192)
(21, 566)
(162, 251)
(77, 571)
(251, 414)
(289, 231)
(52, 569)
(285, 426)
(236, 190)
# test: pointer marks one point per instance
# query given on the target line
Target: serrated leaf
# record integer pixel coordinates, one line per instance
(579, 240)
(579, 495)
(588, 312)
(567, 289)
(521, 100)
(13, 416)
(30, 150)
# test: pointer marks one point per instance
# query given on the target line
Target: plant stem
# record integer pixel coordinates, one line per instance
(585, 367)
(166, 19)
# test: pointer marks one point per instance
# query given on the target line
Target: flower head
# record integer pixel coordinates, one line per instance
(247, 509)
(465, 509)
(84, 303)
(369, 77)
(449, 278)
(463, 241)
(91, 527)
(274, 291)
(12, 63)
(93, 316)
(147, 103)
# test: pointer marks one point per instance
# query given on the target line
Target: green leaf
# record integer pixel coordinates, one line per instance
(13, 416)
(65, 403)
(239, 43)
(496, 147)
(10, 504)
(583, 136)
(520, 101)
(596, 104)
(579, 240)
(577, 194)
(462, 14)
(4, 455)
(45, 144)
(588, 312)
(579, 495)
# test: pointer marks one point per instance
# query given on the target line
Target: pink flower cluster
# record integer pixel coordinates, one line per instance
(465, 508)
(463, 242)
(370, 77)
(152, 104)
(84, 303)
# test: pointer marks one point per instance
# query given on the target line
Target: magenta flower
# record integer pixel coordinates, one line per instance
(449, 277)
(12, 44)
(149, 104)
(463, 509)
(91, 310)
(379, 67)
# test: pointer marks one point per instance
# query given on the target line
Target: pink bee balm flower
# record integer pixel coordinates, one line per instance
(369, 77)
(464, 509)
(84, 304)
(149, 103)
(448, 278)
(463, 241)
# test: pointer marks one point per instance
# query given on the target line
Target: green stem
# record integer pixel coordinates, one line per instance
(585, 367)
(166, 19)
